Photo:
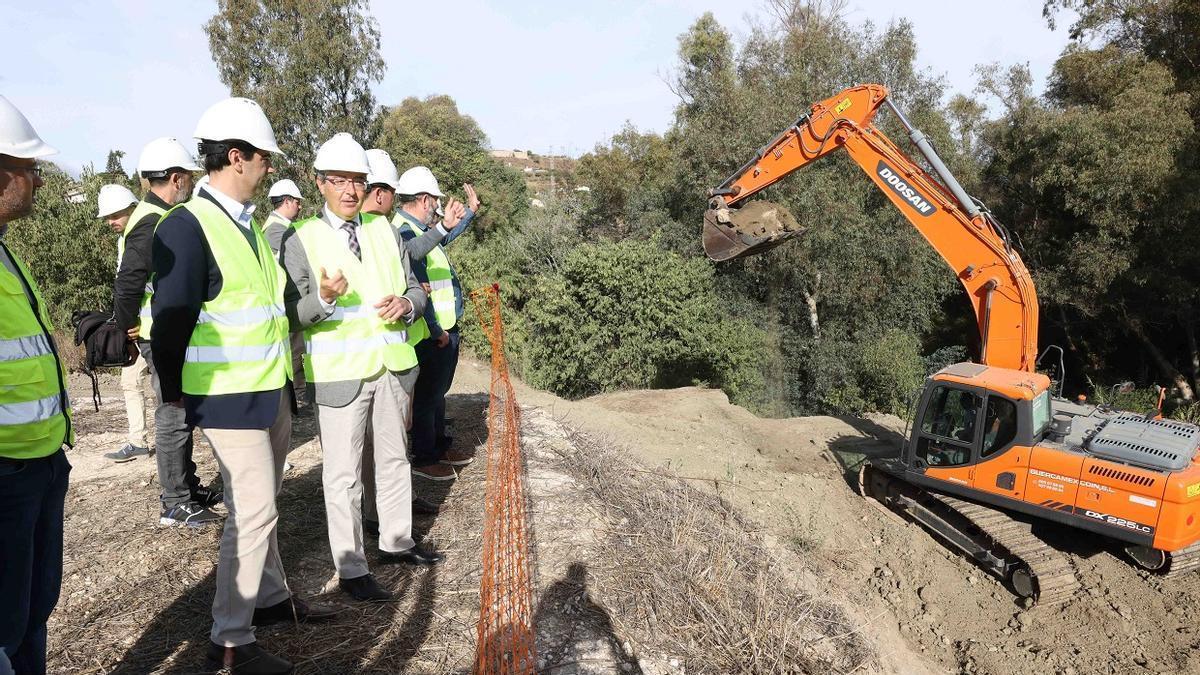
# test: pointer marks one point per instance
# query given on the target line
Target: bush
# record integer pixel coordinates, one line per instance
(628, 315)
(71, 253)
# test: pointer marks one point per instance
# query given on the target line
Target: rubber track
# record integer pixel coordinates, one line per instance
(1182, 562)
(1053, 570)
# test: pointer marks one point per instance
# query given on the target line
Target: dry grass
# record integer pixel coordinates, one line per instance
(686, 575)
(137, 597)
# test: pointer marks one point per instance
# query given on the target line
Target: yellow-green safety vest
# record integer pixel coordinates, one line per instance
(35, 413)
(240, 341)
(441, 282)
(353, 343)
(143, 209)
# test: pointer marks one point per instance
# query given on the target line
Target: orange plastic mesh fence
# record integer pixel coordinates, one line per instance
(506, 636)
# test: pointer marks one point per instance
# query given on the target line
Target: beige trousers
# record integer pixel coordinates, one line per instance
(134, 381)
(383, 402)
(249, 570)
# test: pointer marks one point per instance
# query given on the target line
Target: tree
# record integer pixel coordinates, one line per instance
(860, 273)
(432, 132)
(112, 166)
(309, 64)
(71, 254)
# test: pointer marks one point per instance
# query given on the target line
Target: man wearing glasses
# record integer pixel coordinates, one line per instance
(220, 344)
(35, 421)
(352, 291)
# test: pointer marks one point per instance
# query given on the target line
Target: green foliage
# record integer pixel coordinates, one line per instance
(309, 64)
(71, 253)
(626, 314)
(432, 132)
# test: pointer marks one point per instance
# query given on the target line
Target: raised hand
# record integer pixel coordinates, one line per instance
(333, 287)
(473, 202)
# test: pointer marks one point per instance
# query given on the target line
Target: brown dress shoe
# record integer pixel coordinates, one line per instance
(437, 471)
(248, 659)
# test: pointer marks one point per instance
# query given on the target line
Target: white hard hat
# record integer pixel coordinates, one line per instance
(418, 180)
(383, 169)
(113, 198)
(284, 188)
(163, 154)
(17, 137)
(342, 153)
(237, 119)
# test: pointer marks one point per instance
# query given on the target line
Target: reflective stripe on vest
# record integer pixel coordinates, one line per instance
(441, 282)
(143, 209)
(30, 412)
(24, 348)
(352, 342)
(241, 346)
(33, 421)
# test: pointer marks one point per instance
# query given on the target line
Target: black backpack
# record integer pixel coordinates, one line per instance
(105, 343)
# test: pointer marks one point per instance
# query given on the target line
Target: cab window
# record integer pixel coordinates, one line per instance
(948, 427)
(1000, 424)
(951, 414)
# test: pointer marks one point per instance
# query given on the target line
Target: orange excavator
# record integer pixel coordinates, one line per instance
(992, 451)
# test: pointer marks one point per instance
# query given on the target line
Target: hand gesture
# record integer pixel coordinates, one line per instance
(393, 308)
(454, 212)
(132, 333)
(473, 202)
(333, 287)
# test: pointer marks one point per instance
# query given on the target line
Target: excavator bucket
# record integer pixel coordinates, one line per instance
(754, 228)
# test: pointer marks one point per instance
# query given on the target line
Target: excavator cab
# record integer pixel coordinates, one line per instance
(971, 414)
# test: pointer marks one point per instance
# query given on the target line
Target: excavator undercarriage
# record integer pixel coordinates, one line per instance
(1000, 543)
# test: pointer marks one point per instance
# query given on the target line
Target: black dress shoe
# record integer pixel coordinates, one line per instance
(364, 588)
(282, 612)
(424, 507)
(413, 556)
(247, 659)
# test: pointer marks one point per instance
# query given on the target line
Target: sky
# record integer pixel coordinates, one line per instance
(545, 75)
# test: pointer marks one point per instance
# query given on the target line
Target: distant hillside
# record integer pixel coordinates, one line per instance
(544, 174)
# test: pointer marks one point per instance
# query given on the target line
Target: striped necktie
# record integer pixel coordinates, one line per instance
(352, 232)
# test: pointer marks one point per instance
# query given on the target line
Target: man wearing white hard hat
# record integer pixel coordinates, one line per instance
(114, 205)
(351, 288)
(382, 182)
(220, 343)
(285, 203)
(35, 420)
(433, 456)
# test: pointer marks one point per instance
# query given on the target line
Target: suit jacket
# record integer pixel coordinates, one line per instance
(273, 229)
(303, 302)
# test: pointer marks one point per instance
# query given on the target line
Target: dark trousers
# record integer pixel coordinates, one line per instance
(172, 445)
(429, 442)
(32, 493)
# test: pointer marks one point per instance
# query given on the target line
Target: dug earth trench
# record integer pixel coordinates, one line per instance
(798, 561)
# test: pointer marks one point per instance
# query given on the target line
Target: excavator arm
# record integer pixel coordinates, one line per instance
(972, 243)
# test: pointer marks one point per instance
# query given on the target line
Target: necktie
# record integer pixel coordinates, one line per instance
(353, 239)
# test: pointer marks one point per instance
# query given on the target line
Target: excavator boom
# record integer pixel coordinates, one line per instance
(971, 242)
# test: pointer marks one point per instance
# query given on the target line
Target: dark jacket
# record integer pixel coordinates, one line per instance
(186, 276)
(136, 266)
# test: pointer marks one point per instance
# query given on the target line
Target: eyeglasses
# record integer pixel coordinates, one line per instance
(340, 183)
(35, 169)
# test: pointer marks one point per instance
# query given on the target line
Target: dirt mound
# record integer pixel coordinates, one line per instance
(791, 476)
